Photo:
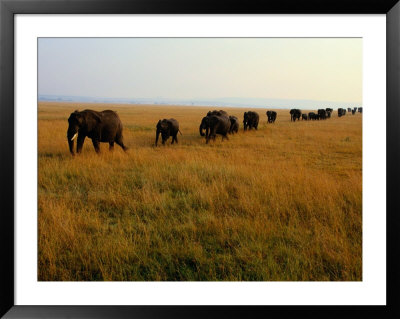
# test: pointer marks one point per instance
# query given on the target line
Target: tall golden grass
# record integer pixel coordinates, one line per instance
(280, 203)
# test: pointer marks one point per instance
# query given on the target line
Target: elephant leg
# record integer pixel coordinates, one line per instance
(157, 136)
(111, 148)
(96, 145)
(79, 144)
(176, 137)
(210, 135)
(120, 142)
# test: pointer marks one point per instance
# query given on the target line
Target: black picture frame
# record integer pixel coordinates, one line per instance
(9, 8)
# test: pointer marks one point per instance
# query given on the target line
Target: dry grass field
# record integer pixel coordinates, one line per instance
(283, 203)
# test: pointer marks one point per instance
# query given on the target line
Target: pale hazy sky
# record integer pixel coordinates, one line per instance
(284, 68)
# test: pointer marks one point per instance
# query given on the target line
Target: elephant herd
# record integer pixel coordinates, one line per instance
(353, 111)
(322, 114)
(106, 126)
(219, 122)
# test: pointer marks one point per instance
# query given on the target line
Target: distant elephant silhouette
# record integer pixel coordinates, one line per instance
(295, 114)
(250, 120)
(271, 116)
(167, 128)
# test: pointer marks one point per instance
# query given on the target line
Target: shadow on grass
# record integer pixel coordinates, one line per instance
(57, 155)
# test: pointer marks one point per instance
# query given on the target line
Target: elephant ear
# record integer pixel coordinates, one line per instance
(78, 117)
(91, 120)
(214, 120)
(97, 117)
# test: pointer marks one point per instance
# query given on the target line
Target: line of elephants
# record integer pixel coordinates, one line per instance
(106, 126)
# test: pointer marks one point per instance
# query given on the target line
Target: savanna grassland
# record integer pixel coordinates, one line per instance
(281, 203)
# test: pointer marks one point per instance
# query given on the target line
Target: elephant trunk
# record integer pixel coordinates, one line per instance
(157, 136)
(71, 136)
(71, 147)
(201, 129)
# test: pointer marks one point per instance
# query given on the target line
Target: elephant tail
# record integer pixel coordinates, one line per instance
(180, 131)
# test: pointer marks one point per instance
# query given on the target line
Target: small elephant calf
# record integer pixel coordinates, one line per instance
(167, 128)
(234, 128)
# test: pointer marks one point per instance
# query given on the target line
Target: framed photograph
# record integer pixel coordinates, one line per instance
(173, 159)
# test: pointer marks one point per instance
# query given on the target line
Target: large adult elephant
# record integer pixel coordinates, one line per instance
(295, 114)
(250, 120)
(312, 116)
(105, 127)
(213, 125)
(234, 128)
(204, 121)
(271, 116)
(322, 114)
(167, 128)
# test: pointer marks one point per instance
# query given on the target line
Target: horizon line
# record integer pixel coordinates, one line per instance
(204, 99)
